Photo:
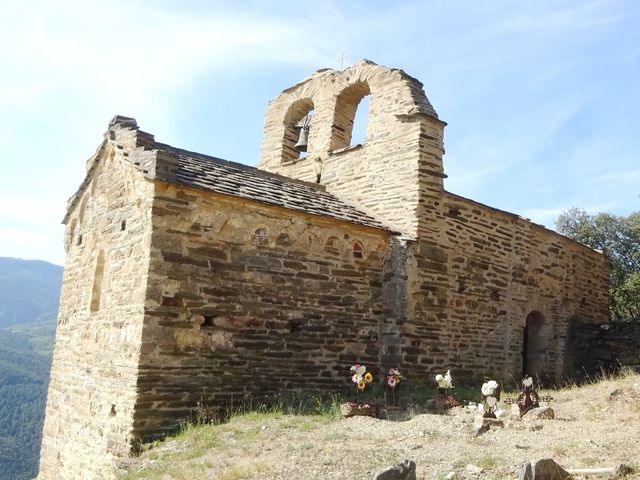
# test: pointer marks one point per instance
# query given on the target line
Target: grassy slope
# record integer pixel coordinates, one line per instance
(593, 427)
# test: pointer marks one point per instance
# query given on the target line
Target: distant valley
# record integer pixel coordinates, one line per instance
(29, 294)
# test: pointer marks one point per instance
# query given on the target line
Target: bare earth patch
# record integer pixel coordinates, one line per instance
(595, 426)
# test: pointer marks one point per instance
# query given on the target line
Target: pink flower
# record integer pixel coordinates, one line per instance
(391, 381)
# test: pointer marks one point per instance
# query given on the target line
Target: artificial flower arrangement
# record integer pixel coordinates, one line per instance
(361, 378)
(444, 399)
(444, 382)
(393, 379)
(490, 396)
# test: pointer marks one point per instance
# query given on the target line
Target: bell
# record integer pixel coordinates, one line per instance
(301, 146)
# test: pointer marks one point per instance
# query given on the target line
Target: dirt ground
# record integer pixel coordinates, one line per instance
(594, 426)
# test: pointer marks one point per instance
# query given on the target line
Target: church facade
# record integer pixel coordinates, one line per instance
(189, 278)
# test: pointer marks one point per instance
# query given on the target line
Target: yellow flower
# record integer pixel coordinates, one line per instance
(361, 385)
(368, 377)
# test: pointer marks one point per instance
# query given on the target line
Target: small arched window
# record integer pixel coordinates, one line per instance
(357, 250)
(96, 291)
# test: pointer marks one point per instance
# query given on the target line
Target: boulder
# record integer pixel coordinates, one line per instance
(482, 424)
(540, 413)
(543, 469)
(403, 471)
(351, 409)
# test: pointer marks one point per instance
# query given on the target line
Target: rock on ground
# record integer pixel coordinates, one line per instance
(543, 469)
(539, 413)
(403, 471)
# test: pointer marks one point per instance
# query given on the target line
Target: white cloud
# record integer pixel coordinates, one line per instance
(128, 52)
(507, 77)
(31, 208)
(22, 238)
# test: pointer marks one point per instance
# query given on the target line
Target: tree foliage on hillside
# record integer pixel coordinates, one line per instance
(24, 375)
(619, 238)
(29, 291)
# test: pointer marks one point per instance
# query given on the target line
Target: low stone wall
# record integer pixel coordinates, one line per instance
(605, 348)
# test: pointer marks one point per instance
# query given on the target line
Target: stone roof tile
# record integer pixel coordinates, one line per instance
(230, 178)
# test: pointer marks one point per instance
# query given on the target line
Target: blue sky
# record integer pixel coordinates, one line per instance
(542, 98)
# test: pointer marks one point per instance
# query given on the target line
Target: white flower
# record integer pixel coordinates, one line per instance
(527, 382)
(447, 379)
(361, 370)
(489, 388)
(444, 381)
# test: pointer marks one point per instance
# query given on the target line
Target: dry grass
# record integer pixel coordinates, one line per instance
(592, 428)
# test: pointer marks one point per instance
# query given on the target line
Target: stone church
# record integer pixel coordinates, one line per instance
(192, 278)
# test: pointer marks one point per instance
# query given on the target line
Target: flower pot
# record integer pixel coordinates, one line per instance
(351, 409)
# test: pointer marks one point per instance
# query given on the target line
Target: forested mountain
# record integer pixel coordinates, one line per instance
(29, 293)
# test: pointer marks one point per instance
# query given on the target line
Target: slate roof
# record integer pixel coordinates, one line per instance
(230, 178)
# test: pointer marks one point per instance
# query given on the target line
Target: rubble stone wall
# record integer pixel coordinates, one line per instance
(606, 347)
(251, 299)
(502, 268)
(400, 158)
(469, 275)
(92, 392)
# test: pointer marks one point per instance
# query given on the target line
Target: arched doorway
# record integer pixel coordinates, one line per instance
(534, 345)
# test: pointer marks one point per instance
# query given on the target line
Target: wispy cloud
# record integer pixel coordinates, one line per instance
(22, 238)
(514, 81)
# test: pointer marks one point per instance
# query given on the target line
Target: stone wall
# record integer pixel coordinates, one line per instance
(92, 391)
(502, 268)
(401, 157)
(245, 298)
(467, 275)
(174, 295)
(604, 348)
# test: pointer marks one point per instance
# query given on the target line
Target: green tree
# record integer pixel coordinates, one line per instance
(619, 238)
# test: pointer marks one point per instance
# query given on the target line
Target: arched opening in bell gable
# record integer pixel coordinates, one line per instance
(298, 129)
(351, 118)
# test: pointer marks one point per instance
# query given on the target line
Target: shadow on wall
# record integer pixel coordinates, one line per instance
(603, 348)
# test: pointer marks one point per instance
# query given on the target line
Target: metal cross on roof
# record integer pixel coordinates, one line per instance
(342, 58)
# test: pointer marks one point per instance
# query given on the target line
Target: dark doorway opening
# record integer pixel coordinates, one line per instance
(534, 345)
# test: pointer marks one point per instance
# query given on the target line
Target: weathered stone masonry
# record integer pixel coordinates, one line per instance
(189, 278)
(474, 274)
(92, 392)
(248, 299)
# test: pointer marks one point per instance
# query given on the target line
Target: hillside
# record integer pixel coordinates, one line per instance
(24, 376)
(594, 426)
(29, 291)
